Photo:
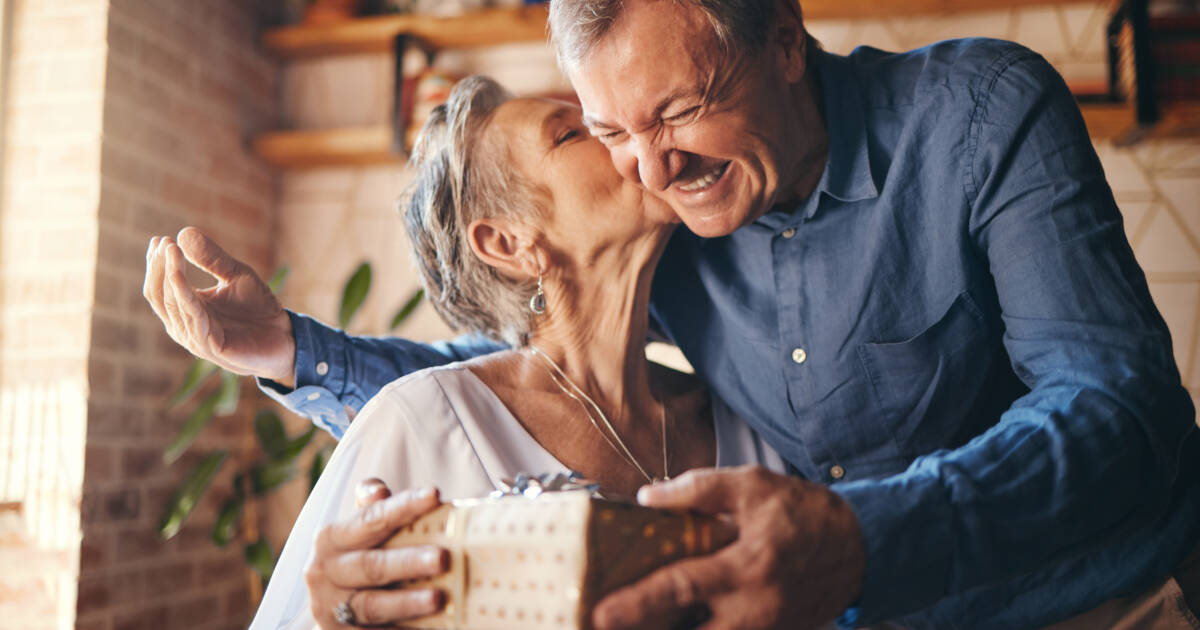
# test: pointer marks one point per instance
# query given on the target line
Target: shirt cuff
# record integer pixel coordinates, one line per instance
(909, 538)
(319, 376)
(320, 354)
(310, 401)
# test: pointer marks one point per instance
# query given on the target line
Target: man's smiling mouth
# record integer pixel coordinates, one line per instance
(705, 180)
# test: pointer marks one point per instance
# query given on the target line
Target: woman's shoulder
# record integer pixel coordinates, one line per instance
(423, 398)
(432, 379)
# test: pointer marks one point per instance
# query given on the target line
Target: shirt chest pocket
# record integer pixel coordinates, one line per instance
(923, 386)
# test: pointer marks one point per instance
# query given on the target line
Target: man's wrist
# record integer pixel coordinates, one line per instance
(285, 374)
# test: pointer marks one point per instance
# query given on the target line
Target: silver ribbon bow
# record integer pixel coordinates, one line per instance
(528, 485)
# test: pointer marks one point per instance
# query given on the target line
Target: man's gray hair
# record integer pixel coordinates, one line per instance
(459, 177)
(576, 26)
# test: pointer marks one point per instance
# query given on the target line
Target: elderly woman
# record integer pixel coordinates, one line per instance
(523, 231)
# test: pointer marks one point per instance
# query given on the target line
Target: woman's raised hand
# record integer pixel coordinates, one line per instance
(237, 323)
(349, 575)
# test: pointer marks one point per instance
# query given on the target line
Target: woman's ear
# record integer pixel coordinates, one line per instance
(506, 245)
(790, 40)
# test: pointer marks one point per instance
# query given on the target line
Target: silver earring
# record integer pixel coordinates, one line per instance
(537, 303)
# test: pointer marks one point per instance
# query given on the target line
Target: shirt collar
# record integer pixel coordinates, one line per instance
(848, 175)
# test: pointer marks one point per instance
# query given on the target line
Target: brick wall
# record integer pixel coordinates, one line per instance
(185, 85)
(124, 120)
(50, 192)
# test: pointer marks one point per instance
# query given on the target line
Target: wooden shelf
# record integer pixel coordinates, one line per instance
(375, 34)
(1117, 122)
(528, 24)
(866, 9)
(357, 146)
(348, 146)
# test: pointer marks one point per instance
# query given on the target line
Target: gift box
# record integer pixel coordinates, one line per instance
(542, 562)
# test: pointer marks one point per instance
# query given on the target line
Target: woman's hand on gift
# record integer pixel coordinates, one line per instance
(349, 575)
(798, 561)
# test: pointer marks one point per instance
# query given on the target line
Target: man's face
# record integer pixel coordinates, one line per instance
(715, 135)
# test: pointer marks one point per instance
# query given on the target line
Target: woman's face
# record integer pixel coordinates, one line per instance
(591, 207)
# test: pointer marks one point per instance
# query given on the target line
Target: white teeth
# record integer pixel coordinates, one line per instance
(704, 180)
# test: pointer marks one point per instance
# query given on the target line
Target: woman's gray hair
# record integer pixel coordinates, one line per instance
(576, 26)
(459, 177)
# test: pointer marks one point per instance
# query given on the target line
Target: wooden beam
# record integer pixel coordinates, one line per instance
(352, 146)
(866, 9)
(1118, 122)
(358, 146)
(375, 34)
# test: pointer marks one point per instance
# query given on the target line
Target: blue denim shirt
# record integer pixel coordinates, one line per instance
(952, 331)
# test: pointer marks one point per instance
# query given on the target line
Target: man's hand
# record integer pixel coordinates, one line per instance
(797, 563)
(236, 323)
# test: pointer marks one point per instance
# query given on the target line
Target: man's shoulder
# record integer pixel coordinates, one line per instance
(964, 66)
(966, 56)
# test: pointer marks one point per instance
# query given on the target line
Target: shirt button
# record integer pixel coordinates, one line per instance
(789, 233)
(322, 368)
(314, 396)
(837, 472)
(799, 355)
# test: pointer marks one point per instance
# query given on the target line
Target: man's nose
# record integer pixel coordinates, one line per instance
(650, 163)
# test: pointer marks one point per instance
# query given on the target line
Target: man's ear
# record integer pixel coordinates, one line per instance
(506, 245)
(790, 40)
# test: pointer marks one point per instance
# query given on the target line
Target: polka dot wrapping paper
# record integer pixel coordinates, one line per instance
(541, 563)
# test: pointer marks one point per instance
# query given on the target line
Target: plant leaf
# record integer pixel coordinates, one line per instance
(320, 458)
(195, 377)
(199, 418)
(406, 311)
(297, 445)
(271, 434)
(226, 525)
(270, 474)
(354, 294)
(231, 389)
(260, 558)
(189, 493)
(278, 278)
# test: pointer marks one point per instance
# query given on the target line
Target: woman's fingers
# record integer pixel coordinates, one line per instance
(369, 491)
(378, 521)
(378, 607)
(346, 557)
(377, 567)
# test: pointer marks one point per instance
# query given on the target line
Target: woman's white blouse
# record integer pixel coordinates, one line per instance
(438, 427)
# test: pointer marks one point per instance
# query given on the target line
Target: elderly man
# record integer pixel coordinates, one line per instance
(908, 273)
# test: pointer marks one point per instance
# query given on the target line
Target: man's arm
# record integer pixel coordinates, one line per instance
(335, 371)
(240, 326)
(1093, 451)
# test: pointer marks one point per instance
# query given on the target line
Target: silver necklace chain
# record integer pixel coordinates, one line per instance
(572, 390)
